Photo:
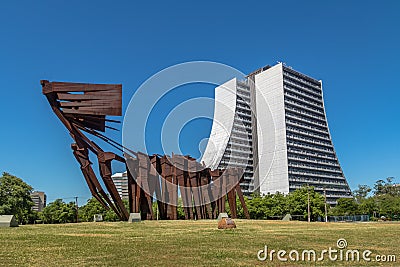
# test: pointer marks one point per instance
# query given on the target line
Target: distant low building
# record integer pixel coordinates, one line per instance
(120, 180)
(39, 199)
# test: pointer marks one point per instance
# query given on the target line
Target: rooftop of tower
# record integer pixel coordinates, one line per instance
(257, 71)
(287, 68)
(304, 76)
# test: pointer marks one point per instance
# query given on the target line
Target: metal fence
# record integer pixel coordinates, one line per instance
(349, 218)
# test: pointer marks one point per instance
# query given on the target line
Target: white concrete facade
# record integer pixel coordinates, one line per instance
(271, 130)
(224, 114)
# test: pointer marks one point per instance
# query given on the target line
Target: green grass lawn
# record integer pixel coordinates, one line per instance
(188, 243)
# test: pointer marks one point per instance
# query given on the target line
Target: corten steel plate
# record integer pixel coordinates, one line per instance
(85, 107)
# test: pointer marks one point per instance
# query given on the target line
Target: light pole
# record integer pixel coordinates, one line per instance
(76, 203)
(308, 204)
(326, 210)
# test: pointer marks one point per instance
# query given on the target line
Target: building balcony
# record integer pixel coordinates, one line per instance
(299, 165)
(243, 112)
(306, 151)
(307, 134)
(247, 147)
(319, 188)
(241, 128)
(301, 106)
(303, 97)
(240, 141)
(241, 149)
(242, 98)
(241, 134)
(303, 101)
(302, 112)
(325, 181)
(305, 119)
(247, 167)
(243, 93)
(327, 176)
(300, 144)
(297, 86)
(303, 92)
(309, 144)
(320, 161)
(307, 127)
(239, 154)
(243, 105)
(308, 140)
(302, 83)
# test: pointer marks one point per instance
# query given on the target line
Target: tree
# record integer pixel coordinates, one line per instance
(361, 192)
(391, 188)
(256, 208)
(368, 206)
(278, 205)
(92, 207)
(59, 212)
(15, 198)
(298, 203)
(379, 187)
(387, 205)
(346, 206)
(110, 216)
(179, 209)
(382, 187)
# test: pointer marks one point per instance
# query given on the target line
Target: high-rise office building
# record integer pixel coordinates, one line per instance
(120, 180)
(39, 200)
(274, 125)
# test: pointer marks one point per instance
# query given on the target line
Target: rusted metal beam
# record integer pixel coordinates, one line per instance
(84, 107)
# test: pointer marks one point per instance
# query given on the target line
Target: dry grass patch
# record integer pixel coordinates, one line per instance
(185, 243)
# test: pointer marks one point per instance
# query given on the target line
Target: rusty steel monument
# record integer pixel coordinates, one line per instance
(83, 109)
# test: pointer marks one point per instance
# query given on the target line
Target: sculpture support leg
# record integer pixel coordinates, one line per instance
(82, 156)
(105, 159)
(241, 198)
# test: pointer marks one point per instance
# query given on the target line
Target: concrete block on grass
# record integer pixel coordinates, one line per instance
(8, 221)
(134, 217)
(222, 215)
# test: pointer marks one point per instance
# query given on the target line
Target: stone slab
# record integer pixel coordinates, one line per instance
(98, 218)
(134, 217)
(222, 215)
(8, 221)
(287, 217)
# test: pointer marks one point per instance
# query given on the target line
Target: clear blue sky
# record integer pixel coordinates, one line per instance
(353, 46)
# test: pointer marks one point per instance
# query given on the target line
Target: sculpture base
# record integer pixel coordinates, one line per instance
(134, 217)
